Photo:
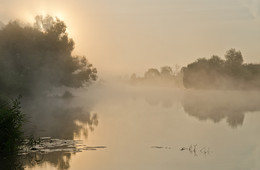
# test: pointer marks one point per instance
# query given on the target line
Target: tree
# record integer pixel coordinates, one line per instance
(39, 57)
(197, 74)
(152, 73)
(166, 71)
(216, 73)
(234, 57)
(1, 25)
(216, 61)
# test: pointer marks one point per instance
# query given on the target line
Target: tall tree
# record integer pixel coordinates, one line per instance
(39, 57)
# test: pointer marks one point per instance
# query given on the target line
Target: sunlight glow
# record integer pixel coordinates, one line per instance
(30, 17)
(59, 15)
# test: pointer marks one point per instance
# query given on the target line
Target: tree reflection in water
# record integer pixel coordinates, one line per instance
(57, 118)
(213, 105)
(218, 105)
(59, 160)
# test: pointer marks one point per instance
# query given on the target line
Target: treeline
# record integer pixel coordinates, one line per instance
(216, 73)
(212, 73)
(166, 76)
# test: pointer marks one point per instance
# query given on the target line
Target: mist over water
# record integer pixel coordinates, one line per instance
(135, 108)
(149, 127)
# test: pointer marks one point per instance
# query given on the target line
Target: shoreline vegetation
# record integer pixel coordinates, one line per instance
(11, 122)
(206, 74)
(34, 60)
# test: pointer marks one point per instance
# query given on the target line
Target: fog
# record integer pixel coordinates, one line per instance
(77, 116)
(40, 57)
(58, 118)
(122, 37)
(150, 116)
(139, 84)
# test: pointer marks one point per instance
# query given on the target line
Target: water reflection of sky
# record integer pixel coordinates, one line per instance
(131, 122)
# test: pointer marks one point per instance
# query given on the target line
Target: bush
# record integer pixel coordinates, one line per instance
(11, 121)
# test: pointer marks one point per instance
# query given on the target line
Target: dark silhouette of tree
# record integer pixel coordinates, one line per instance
(215, 73)
(234, 57)
(11, 121)
(39, 57)
(1, 25)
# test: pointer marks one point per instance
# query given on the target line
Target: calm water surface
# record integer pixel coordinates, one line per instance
(151, 129)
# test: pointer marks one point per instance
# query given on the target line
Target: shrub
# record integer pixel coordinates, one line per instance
(11, 121)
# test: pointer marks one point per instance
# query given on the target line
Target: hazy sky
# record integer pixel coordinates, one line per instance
(126, 36)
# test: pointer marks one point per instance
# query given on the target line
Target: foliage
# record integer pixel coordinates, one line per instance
(234, 57)
(1, 25)
(166, 71)
(152, 73)
(12, 162)
(165, 77)
(216, 73)
(11, 121)
(39, 57)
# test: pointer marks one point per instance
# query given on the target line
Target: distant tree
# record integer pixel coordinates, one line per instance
(39, 57)
(196, 74)
(166, 71)
(234, 57)
(215, 73)
(166, 77)
(216, 61)
(152, 73)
